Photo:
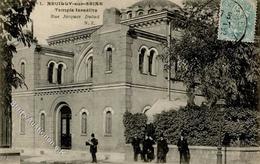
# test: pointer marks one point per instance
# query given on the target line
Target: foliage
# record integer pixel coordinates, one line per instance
(218, 69)
(202, 124)
(134, 124)
(14, 15)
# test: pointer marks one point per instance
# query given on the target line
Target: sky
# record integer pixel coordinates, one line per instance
(48, 19)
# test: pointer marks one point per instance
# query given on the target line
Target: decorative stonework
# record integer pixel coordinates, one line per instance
(135, 33)
(51, 50)
(72, 37)
(152, 19)
(63, 90)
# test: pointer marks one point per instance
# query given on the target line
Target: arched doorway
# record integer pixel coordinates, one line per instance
(63, 120)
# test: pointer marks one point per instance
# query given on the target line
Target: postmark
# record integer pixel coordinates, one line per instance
(237, 19)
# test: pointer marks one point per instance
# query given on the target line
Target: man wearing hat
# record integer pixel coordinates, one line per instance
(183, 149)
(93, 147)
(162, 149)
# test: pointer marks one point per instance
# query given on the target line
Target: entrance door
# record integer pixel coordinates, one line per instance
(65, 128)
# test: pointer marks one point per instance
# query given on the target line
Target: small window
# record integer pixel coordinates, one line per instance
(22, 124)
(60, 74)
(129, 15)
(50, 72)
(109, 59)
(140, 13)
(42, 121)
(84, 123)
(108, 123)
(23, 69)
(150, 66)
(143, 61)
(90, 67)
(153, 62)
(151, 11)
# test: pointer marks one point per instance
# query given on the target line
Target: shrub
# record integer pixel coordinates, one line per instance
(134, 124)
(203, 125)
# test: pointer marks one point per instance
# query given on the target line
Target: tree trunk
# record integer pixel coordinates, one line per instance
(5, 101)
(258, 86)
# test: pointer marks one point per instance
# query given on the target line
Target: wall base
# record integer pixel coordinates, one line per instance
(9, 156)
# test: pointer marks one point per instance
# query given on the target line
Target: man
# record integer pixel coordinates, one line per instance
(148, 150)
(136, 147)
(93, 147)
(183, 149)
(145, 148)
(162, 149)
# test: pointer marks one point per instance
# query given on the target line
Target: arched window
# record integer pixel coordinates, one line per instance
(108, 123)
(22, 124)
(129, 15)
(42, 121)
(23, 69)
(153, 62)
(89, 67)
(146, 108)
(109, 59)
(60, 73)
(143, 61)
(50, 72)
(84, 123)
(140, 13)
(150, 62)
(151, 11)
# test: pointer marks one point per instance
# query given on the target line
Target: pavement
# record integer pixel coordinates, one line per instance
(68, 157)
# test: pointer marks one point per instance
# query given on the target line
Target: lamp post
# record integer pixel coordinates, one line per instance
(220, 104)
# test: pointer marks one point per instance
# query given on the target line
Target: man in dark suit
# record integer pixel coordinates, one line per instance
(183, 150)
(136, 147)
(148, 150)
(162, 149)
(93, 147)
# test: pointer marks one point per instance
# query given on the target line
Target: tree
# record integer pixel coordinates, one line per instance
(218, 69)
(14, 15)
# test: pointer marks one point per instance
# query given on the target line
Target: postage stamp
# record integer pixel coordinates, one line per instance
(237, 19)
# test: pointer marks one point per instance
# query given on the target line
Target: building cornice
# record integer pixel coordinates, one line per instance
(135, 33)
(51, 50)
(63, 89)
(89, 87)
(72, 36)
(147, 20)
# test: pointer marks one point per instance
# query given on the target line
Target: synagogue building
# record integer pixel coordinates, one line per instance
(83, 81)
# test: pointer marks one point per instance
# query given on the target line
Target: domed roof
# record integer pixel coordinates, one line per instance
(156, 3)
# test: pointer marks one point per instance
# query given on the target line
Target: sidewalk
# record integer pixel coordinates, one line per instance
(68, 157)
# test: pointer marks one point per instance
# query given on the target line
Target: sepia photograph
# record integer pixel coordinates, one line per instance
(129, 81)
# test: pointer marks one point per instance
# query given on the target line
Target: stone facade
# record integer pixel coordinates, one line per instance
(94, 71)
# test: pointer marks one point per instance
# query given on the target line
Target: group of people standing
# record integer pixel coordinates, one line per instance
(147, 150)
(144, 148)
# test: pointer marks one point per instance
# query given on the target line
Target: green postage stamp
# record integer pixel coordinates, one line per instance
(237, 19)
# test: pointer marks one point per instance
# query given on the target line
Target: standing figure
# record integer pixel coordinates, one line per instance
(162, 149)
(93, 147)
(183, 150)
(145, 148)
(136, 147)
(148, 147)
